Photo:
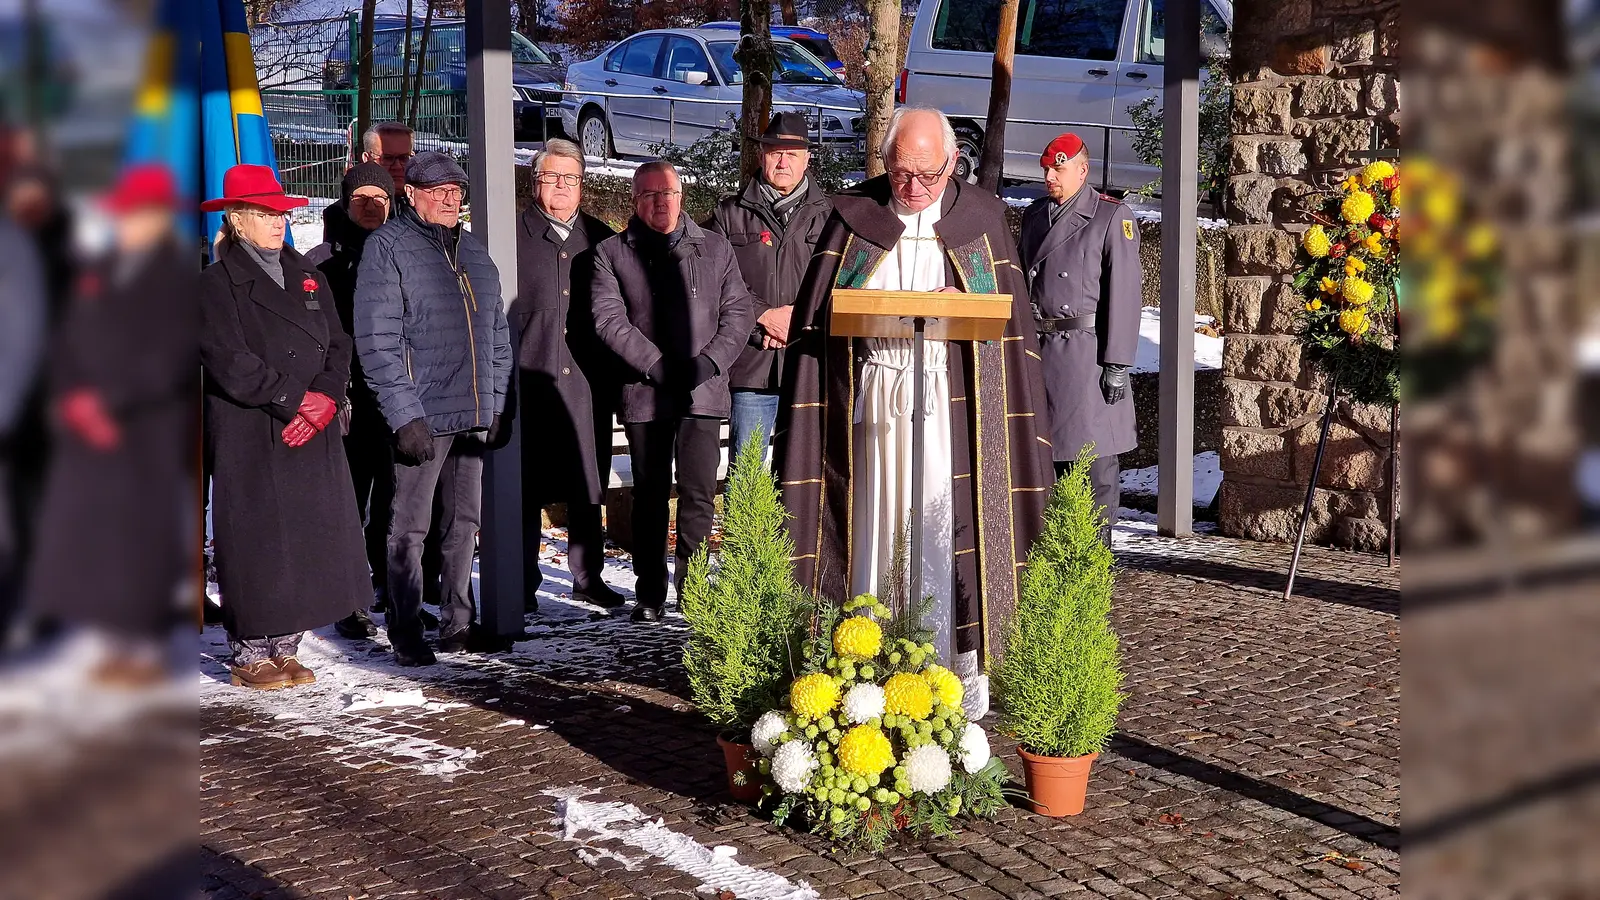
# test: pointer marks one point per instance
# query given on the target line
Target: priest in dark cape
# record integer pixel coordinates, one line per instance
(844, 421)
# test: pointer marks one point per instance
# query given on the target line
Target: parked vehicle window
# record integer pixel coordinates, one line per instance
(1071, 29)
(795, 66)
(684, 56)
(1153, 30)
(527, 53)
(636, 57)
(819, 48)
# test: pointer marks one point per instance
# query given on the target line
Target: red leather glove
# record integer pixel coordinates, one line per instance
(318, 409)
(85, 415)
(298, 431)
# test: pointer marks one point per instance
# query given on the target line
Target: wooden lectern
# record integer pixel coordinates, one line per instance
(941, 315)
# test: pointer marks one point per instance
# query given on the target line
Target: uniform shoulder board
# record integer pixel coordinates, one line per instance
(1109, 199)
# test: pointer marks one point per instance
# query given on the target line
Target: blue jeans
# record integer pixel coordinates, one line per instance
(751, 410)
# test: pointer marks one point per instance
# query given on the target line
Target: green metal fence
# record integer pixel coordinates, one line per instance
(312, 132)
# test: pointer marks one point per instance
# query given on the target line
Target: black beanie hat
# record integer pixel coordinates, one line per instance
(364, 175)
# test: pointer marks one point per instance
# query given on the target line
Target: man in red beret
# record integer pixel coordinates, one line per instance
(1080, 255)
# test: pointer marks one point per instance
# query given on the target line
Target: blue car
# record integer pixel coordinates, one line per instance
(813, 40)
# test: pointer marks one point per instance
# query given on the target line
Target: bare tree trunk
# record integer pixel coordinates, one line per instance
(786, 7)
(991, 167)
(405, 67)
(756, 59)
(422, 63)
(369, 10)
(883, 59)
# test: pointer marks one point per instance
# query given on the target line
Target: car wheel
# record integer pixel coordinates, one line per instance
(969, 150)
(595, 136)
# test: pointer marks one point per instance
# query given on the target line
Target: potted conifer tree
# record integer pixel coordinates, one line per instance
(1059, 681)
(743, 614)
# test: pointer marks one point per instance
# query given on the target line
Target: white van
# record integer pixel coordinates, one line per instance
(1079, 65)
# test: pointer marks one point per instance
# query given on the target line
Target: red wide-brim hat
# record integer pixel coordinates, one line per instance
(255, 185)
(142, 186)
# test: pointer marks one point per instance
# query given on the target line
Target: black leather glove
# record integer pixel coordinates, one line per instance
(499, 434)
(700, 370)
(414, 440)
(660, 373)
(1113, 383)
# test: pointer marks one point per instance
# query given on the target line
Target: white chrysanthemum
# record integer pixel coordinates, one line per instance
(928, 769)
(792, 766)
(974, 748)
(764, 734)
(863, 703)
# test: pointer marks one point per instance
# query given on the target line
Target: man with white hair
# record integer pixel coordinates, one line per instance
(844, 422)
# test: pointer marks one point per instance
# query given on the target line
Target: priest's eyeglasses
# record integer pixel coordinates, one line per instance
(926, 179)
(559, 178)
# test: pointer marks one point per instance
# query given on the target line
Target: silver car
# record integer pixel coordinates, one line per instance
(676, 85)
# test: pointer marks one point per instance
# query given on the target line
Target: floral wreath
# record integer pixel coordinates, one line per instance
(1349, 265)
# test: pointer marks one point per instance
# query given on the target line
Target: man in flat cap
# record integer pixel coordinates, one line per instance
(1080, 252)
(773, 225)
(435, 349)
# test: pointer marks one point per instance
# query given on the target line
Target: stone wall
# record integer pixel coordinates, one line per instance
(1309, 80)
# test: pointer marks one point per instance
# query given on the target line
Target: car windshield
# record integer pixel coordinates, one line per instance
(795, 66)
(527, 53)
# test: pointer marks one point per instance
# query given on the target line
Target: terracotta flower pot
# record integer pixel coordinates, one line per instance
(741, 761)
(1056, 785)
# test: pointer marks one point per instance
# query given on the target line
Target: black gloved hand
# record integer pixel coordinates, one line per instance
(1113, 383)
(660, 373)
(700, 370)
(415, 442)
(499, 435)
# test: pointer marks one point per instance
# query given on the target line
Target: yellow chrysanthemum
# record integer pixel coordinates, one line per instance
(813, 696)
(1314, 305)
(944, 684)
(1351, 184)
(1376, 172)
(858, 636)
(1316, 242)
(1354, 321)
(1329, 285)
(1357, 291)
(1358, 208)
(865, 750)
(1481, 241)
(905, 694)
(1374, 243)
(1353, 267)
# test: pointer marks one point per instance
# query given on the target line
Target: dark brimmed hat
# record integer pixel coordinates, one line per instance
(786, 131)
(255, 185)
(434, 168)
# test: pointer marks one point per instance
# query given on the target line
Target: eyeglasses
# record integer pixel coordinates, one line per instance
(261, 214)
(559, 178)
(394, 159)
(444, 193)
(927, 179)
(378, 199)
(653, 196)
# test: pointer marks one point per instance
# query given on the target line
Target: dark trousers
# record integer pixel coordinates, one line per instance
(586, 546)
(456, 473)
(367, 447)
(691, 442)
(1105, 478)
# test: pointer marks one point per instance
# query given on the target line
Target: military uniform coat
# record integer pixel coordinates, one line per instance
(1000, 459)
(568, 381)
(290, 554)
(1086, 264)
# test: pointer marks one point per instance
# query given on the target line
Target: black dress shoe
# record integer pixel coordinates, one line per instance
(414, 653)
(455, 642)
(357, 626)
(600, 595)
(429, 620)
(643, 612)
(380, 600)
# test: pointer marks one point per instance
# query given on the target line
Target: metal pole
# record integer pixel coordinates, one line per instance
(672, 121)
(1311, 489)
(1394, 476)
(918, 328)
(1105, 160)
(494, 219)
(1180, 155)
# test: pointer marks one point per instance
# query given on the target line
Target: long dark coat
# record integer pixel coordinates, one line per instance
(289, 545)
(773, 260)
(1087, 264)
(568, 384)
(1000, 459)
(114, 538)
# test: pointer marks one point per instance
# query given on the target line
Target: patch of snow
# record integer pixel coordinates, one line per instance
(392, 699)
(1207, 478)
(586, 822)
(1207, 349)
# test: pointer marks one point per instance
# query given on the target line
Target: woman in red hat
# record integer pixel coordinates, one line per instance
(277, 361)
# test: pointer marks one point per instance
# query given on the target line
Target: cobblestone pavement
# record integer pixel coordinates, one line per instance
(1258, 757)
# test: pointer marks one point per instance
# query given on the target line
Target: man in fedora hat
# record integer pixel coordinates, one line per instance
(773, 225)
(1080, 255)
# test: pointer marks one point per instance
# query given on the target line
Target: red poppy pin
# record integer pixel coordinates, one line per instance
(89, 284)
(309, 285)
(766, 238)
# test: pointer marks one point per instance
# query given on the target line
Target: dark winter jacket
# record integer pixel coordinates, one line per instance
(429, 328)
(652, 303)
(339, 258)
(773, 259)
